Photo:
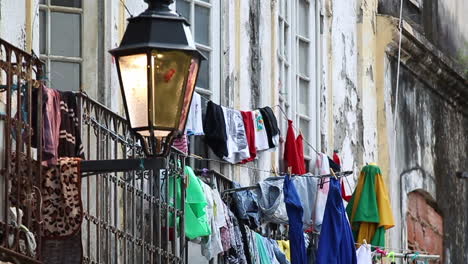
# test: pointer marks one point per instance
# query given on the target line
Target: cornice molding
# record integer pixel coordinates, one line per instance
(430, 65)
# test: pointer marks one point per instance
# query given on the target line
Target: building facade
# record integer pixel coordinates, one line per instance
(349, 75)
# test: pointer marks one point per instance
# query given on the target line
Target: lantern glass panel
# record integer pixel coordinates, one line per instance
(170, 70)
(191, 80)
(133, 70)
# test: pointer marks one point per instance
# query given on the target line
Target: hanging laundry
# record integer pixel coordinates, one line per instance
(271, 201)
(70, 144)
(225, 231)
(321, 167)
(261, 137)
(285, 248)
(238, 148)
(262, 251)
(336, 243)
(271, 126)
(214, 126)
(291, 157)
(250, 134)
(196, 216)
(364, 255)
(307, 190)
(344, 191)
(279, 254)
(62, 210)
(211, 245)
(194, 125)
(62, 213)
(236, 254)
(51, 126)
(295, 214)
(369, 209)
(300, 154)
(247, 206)
(181, 143)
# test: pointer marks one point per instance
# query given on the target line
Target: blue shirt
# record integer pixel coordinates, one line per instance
(295, 212)
(336, 242)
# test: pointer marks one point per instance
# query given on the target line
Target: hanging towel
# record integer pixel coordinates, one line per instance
(238, 148)
(321, 167)
(211, 245)
(215, 130)
(290, 151)
(364, 255)
(70, 144)
(336, 243)
(295, 213)
(369, 209)
(261, 137)
(250, 134)
(271, 126)
(194, 124)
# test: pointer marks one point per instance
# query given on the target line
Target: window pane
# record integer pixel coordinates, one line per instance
(183, 8)
(304, 126)
(65, 34)
(304, 58)
(42, 32)
(286, 81)
(303, 97)
(42, 2)
(67, 3)
(280, 37)
(204, 74)
(65, 76)
(202, 25)
(286, 39)
(303, 19)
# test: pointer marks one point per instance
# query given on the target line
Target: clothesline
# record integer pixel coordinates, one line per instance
(405, 253)
(337, 174)
(287, 118)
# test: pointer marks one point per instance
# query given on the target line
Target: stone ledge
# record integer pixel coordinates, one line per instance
(430, 65)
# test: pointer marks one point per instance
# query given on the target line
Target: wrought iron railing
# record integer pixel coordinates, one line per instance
(20, 164)
(129, 216)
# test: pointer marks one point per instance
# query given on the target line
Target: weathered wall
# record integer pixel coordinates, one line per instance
(430, 146)
(442, 22)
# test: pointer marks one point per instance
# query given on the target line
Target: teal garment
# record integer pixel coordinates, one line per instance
(262, 250)
(196, 219)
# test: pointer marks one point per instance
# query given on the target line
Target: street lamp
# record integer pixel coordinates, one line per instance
(158, 65)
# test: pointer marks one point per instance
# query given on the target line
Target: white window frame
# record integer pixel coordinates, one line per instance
(89, 43)
(289, 81)
(214, 71)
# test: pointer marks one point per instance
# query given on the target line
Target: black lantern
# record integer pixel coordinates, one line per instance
(158, 65)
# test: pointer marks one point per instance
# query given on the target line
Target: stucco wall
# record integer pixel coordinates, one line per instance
(430, 146)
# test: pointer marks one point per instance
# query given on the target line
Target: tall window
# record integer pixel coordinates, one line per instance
(204, 18)
(303, 71)
(60, 42)
(296, 66)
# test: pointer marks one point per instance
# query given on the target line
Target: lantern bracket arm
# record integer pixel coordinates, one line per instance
(92, 167)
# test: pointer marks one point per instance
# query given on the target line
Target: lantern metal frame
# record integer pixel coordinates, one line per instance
(157, 28)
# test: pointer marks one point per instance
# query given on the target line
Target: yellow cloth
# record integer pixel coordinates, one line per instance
(284, 247)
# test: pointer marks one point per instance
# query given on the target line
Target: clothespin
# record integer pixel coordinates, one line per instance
(333, 173)
(289, 171)
(415, 256)
(392, 256)
(274, 170)
(380, 251)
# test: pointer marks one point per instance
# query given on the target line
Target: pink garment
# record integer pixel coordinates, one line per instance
(51, 126)
(181, 144)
